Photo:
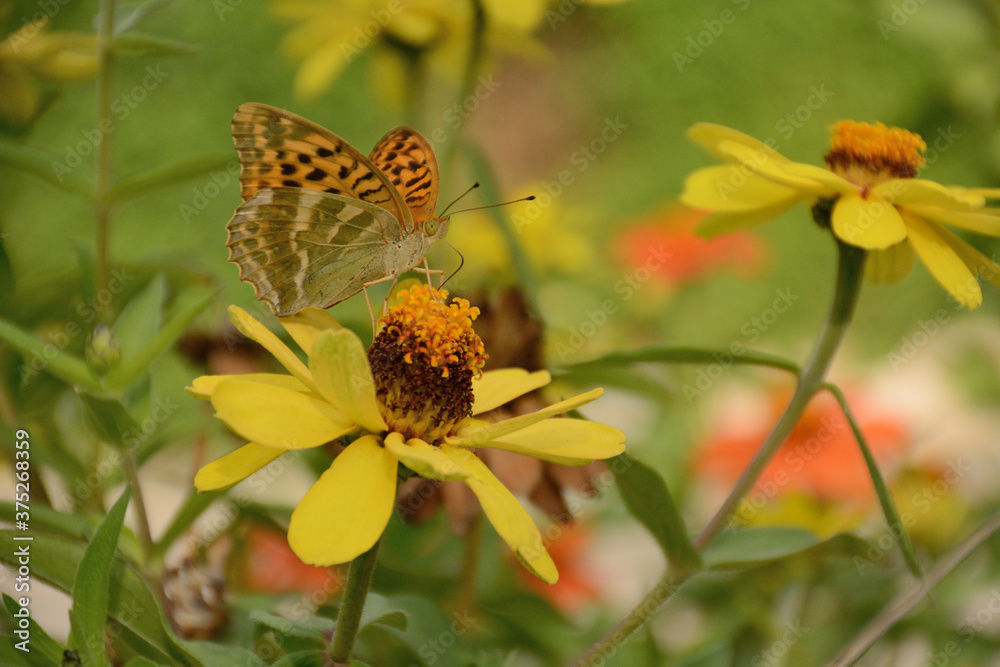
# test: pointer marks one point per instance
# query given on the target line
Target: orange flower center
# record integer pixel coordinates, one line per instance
(423, 360)
(867, 155)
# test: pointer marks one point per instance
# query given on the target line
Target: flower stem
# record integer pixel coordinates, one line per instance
(102, 152)
(132, 474)
(850, 265)
(359, 579)
(605, 647)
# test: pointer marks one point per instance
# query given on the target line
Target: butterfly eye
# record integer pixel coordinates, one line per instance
(431, 227)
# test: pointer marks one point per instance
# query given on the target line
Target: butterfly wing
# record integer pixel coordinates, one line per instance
(279, 149)
(407, 160)
(301, 248)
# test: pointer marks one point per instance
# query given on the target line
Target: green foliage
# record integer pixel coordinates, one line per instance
(646, 496)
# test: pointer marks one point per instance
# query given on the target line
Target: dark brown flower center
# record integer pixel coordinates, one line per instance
(424, 359)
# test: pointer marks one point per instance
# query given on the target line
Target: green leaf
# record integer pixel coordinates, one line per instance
(307, 659)
(42, 647)
(688, 355)
(12, 657)
(892, 518)
(109, 418)
(186, 307)
(379, 609)
(130, 602)
(139, 661)
(49, 520)
(210, 653)
(743, 548)
(310, 627)
(46, 166)
(130, 17)
(135, 43)
(40, 356)
(89, 612)
(648, 499)
(136, 325)
(140, 319)
(131, 187)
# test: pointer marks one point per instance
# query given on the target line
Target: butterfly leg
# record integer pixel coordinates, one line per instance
(364, 288)
(427, 270)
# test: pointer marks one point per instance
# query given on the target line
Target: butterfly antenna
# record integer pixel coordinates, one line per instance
(479, 208)
(473, 187)
(461, 264)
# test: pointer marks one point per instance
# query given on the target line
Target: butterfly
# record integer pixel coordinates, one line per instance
(320, 221)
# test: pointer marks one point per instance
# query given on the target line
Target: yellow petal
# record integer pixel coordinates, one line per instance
(918, 191)
(948, 268)
(476, 432)
(565, 441)
(710, 136)
(341, 371)
(974, 196)
(983, 220)
(494, 388)
(726, 223)
(321, 67)
(306, 325)
(508, 517)
(731, 189)
(890, 265)
(346, 510)
(276, 416)
(424, 459)
(765, 165)
(202, 387)
(260, 334)
(832, 182)
(234, 467)
(871, 223)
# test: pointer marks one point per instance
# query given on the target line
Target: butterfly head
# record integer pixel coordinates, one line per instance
(436, 228)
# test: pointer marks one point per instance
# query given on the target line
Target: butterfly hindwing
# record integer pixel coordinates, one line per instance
(301, 248)
(279, 149)
(407, 160)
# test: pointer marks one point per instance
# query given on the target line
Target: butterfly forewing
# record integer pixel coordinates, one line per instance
(408, 161)
(279, 149)
(301, 248)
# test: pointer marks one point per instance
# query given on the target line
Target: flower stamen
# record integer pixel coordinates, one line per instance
(423, 360)
(867, 154)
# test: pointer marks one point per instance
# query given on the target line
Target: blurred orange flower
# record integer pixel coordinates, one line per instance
(575, 587)
(820, 458)
(266, 564)
(690, 256)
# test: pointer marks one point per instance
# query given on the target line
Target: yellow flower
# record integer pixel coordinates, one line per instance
(554, 238)
(869, 194)
(33, 53)
(410, 401)
(330, 34)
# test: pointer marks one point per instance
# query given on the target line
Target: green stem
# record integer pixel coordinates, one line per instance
(600, 652)
(850, 265)
(907, 600)
(102, 152)
(359, 579)
(132, 475)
